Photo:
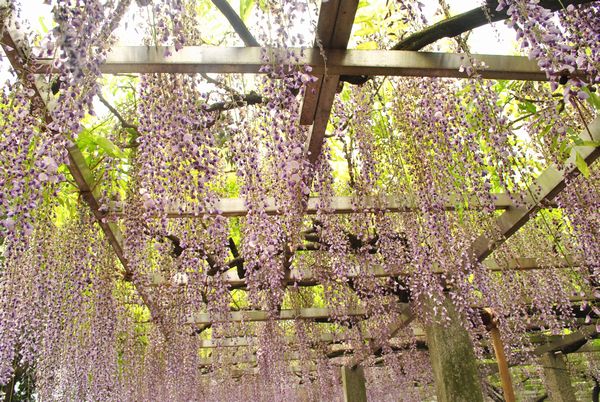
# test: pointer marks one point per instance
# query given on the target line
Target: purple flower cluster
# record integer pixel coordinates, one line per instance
(561, 47)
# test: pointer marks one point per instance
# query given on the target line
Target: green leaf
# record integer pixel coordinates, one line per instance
(593, 99)
(109, 147)
(245, 9)
(528, 106)
(368, 29)
(44, 27)
(85, 139)
(587, 143)
(370, 45)
(582, 165)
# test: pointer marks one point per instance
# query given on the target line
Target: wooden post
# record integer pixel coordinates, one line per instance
(353, 382)
(453, 360)
(507, 387)
(558, 382)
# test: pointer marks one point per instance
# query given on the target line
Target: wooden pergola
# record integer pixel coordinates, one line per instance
(335, 22)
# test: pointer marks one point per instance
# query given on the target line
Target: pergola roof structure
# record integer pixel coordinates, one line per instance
(331, 63)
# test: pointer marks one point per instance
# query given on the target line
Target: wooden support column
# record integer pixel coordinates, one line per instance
(507, 387)
(492, 327)
(453, 360)
(558, 382)
(353, 382)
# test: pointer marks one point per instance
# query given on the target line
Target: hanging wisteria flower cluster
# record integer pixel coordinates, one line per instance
(207, 257)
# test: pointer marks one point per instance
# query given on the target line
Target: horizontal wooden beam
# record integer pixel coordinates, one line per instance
(312, 313)
(307, 276)
(568, 343)
(326, 337)
(196, 59)
(231, 207)
(324, 314)
(550, 342)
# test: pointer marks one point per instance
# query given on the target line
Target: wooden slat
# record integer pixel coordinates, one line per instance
(259, 315)
(353, 384)
(313, 313)
(546, 187)
(250, 340)
(336, 18)
(330, 80)
(191, 59)
(232, 207)
(327, 15)
(306, 276)
(323, 110)
(564, 343)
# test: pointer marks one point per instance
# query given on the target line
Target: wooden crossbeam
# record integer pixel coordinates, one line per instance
(546, 187)
(307, 277)
(193, 59)
(336, 18)
(289, 356)
(327, 14)
(231, 207)
(568, 343)
(329, 81)
(249, 340)
(550, 342)
(312, 313)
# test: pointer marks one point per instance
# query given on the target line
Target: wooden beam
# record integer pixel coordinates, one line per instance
(327, 16)
(232, 207)
(192, 59)
(546, 187)
(336, 18)
(307, 277)
(313, 313)
(326, 337)
(250, 358)
(329, 81)
(568, 343)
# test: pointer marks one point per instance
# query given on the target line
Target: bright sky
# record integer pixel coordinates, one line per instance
(494, 39)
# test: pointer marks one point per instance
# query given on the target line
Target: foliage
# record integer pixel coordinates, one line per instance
(163, 151)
